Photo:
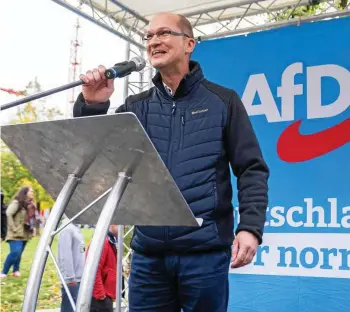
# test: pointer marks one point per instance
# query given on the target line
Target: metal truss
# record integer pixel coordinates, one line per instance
(237, 17)
(112, 16)
(251, 16)
(126, 263)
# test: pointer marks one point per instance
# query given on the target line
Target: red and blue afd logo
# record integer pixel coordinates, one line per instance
(293, 145)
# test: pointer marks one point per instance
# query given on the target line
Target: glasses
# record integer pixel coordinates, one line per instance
(163, 34)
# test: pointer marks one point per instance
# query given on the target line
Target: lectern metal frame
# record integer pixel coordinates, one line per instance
(118, 152)
(95, 250)
(40, 258)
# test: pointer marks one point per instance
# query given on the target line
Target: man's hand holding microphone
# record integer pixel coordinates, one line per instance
(97, 88)
(99, 83)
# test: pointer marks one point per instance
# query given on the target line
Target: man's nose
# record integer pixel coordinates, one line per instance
(154, 41)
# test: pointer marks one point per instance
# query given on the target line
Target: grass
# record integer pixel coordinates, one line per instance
(12, 289)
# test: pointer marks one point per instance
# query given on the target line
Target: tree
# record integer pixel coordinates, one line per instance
(342, 4)
(13, 173)
(301, 11)
(35, 112)
(315, 7)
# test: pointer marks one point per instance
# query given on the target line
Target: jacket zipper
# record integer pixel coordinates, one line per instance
(215, 195)
(182, 129)
(173, 112)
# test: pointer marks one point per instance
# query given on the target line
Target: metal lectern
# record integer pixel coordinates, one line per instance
(79, 162)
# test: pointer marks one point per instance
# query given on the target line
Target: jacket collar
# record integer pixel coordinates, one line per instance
(111, 238)
(188, 83)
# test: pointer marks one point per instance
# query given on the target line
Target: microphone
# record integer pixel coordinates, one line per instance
(118, 70)
(123, 69)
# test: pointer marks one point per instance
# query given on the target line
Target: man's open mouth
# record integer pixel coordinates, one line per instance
(157, 52)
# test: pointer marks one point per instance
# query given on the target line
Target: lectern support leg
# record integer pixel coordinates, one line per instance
(38, 266)
(95, 249)
(119, 287)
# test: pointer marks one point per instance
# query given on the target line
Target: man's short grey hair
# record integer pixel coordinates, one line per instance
(185, 26)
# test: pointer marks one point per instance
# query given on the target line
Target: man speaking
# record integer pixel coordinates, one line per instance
(199, 129)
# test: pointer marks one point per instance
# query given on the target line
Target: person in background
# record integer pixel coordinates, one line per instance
(106, 276)
(38, 218)
(18, 230)
(71, 259)
(33, 217)
(3, 217)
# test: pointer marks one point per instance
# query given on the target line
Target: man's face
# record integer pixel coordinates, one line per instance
(170, 49)
(113, 228)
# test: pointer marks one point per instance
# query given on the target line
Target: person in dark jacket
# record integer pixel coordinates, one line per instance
(106, 276)
(199, 129)
(3, 217)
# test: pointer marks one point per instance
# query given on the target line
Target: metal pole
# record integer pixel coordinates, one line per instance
(141, 86)
(119, 264)
(95, 249)
(64, 285)
(81, 212)
(41, 94)
(38, 266)
(126, 79)
(150, 76)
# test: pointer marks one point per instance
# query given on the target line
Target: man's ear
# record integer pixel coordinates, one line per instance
(191, 44)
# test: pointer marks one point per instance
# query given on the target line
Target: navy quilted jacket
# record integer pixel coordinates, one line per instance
(199, 132)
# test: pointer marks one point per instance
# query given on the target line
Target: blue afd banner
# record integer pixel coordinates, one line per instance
(295, 85)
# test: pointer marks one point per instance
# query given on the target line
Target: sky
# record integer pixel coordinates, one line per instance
(35, 41)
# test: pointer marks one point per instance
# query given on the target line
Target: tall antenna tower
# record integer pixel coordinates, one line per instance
(74, 65)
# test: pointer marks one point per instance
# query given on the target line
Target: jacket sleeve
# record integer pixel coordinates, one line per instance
(99, 289)
(10, 212)
(249, 167)
(65, 255)
(123, 108)
(81, 109)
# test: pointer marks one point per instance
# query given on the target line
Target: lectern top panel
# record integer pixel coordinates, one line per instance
(96, 149)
